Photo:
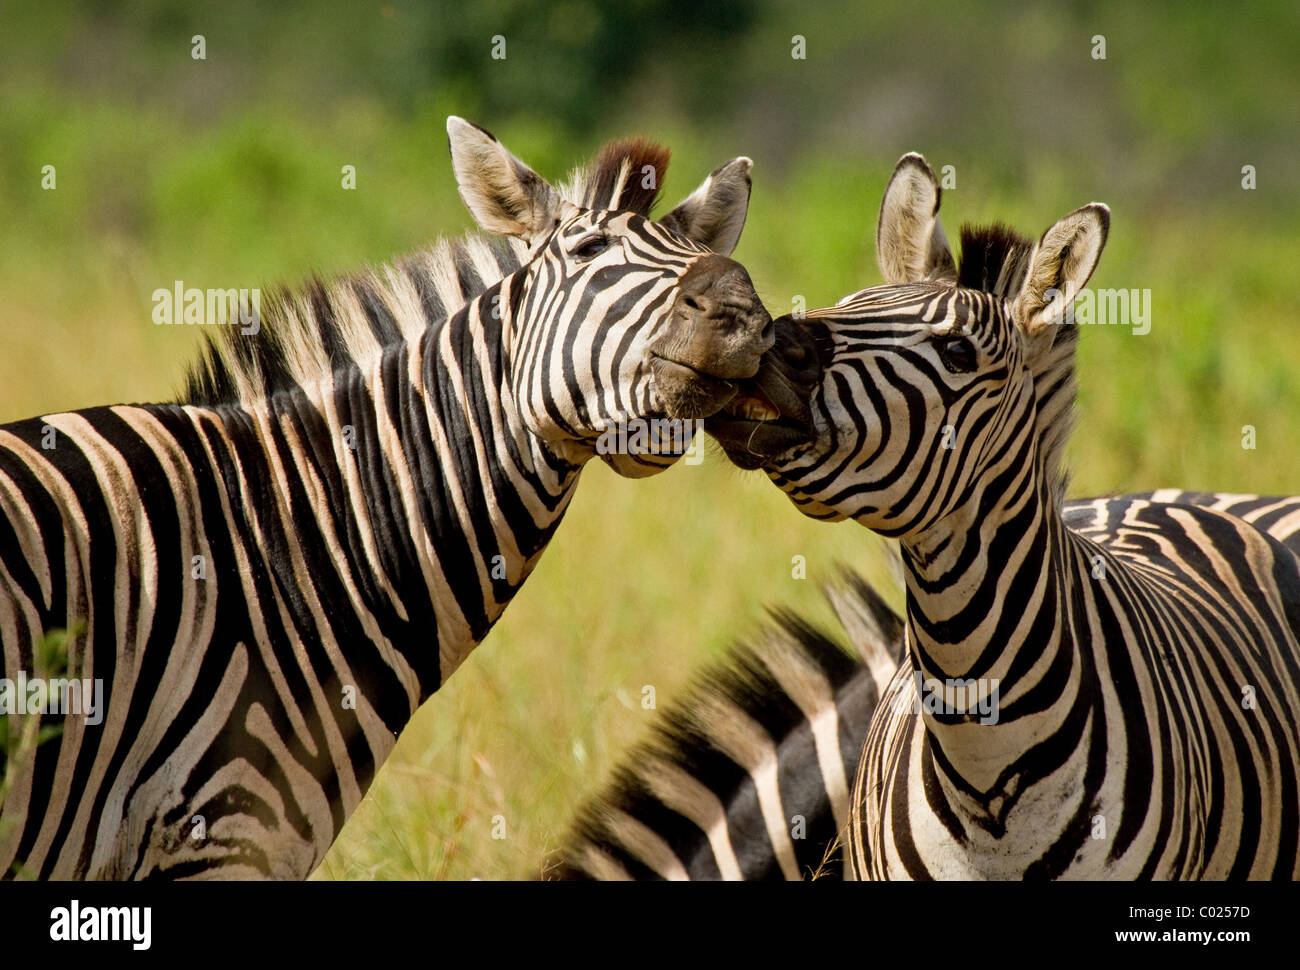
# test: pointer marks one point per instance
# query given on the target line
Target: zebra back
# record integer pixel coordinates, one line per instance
(1276, 515)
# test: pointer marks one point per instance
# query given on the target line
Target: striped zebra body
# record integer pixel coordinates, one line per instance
(1144, 761)
(645, 825)
(604, 845)
(249, 647)
(1105, 689)
(271, 577)
(1277, 515)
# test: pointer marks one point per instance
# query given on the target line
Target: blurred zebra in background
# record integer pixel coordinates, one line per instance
(1103, 688)
(270, 575)
(748, 776)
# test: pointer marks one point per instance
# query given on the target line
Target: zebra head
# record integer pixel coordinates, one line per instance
(933, 388)
(618, 320)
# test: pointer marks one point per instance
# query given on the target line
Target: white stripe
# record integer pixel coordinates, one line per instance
(745, 742)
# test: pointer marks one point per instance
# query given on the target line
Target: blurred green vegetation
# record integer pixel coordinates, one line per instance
(226, 172)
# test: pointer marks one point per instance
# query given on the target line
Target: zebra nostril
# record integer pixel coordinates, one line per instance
(691, 303)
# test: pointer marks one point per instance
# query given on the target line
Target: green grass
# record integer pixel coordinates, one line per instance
(167, 175)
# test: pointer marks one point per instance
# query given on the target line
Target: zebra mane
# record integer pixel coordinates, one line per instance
(995, 259)
(760, 686)
(626, 176)
(307, 333)
(751, 685)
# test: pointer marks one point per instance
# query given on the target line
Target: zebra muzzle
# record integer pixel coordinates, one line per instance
(771, 413)
(717, 333)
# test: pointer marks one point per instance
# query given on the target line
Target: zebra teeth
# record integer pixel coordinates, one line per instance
(753, 409)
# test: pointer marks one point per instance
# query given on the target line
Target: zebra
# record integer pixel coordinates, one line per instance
(269, 575)
(1103, 688)
(1055, 804)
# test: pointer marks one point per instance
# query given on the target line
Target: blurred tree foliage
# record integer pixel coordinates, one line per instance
(1186, 92)
(567, 61)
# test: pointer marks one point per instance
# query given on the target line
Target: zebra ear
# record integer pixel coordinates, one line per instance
(503, 194)
(714, 214)
(910, 244)
(1060, 266)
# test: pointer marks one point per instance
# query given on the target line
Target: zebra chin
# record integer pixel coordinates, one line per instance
(751, 444)
(687, 392)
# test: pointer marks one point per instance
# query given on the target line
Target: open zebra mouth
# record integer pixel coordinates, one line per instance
(752, 430)
(770, 413)
(750, 405)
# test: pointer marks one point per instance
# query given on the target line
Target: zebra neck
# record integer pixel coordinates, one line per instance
(419, 493)
(989, 620)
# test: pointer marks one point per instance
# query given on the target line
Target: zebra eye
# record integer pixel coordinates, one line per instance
(958, 355)
(589, 247)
